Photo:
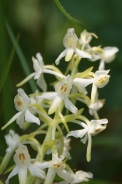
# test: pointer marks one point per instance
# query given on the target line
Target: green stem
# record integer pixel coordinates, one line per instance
(66, 13)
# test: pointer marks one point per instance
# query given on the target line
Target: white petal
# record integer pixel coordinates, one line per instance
(60, 56)
(26, 79)
(12, 119)
(40, 59)
(22, 174)
(41, 83)
(69, 53)
(77, 133)
(99, 122)
(83, 54)
(55, 104)
(38, 74)
(84, 139)
(48, 96)
(23, 95)
(81, 176)
(36, 65)
(42, 165)
(65, 175)
(82, 82)
(13, 173)
(101, 72)
(54, 73)
(29, 117)
(35, 171)
(70, 106)
(21, 120)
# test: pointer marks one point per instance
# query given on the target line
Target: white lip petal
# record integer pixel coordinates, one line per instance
(55, 104)
(21, 120)
(29, 117)
(69, 53)
(41, 83)
(22, 174)
(35, 171)
(70, 106)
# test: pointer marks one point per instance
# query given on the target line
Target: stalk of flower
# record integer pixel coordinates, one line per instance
(90, 128)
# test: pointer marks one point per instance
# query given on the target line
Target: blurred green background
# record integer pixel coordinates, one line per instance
(40, 26)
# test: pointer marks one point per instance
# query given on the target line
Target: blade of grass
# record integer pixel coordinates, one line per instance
(7, 66)
(72, 19)
(21, 56)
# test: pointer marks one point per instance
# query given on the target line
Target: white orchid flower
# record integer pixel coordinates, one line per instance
(100, 79)
(62, 90)
(85, 38)
(12, 140)
(109, 54)
(57, 166)
(92, 127)
(40, 69)
(23, 164)
(96, 106)
(70, 42)
(22, 102)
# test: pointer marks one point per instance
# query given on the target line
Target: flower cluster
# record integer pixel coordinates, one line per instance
(53, 111)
